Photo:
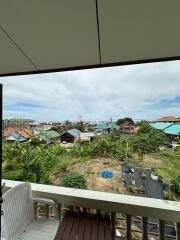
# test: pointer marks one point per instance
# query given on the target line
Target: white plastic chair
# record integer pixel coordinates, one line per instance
(20, 220)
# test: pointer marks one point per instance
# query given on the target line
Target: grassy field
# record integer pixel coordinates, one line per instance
(167, 163)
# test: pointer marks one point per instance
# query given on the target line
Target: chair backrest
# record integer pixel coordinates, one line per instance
(18, 210)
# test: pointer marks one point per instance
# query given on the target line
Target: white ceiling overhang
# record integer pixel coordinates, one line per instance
(45, 35)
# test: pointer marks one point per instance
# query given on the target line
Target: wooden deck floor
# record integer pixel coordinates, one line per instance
(83, 226)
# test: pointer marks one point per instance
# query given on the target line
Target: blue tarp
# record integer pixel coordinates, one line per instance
(106, 174)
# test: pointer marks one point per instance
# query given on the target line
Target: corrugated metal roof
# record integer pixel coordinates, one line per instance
(173, 130)
(74, 132)
(160, 126)
(168, 119)
(47, 135)
(24, 134)
(16, 136)
(87, 134)
(9, 130)
(107, 126)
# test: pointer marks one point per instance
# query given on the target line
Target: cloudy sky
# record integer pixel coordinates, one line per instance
(145, 91)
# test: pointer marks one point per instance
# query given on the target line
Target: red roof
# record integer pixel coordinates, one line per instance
(23, 134)
(168, 119)
(8, 131)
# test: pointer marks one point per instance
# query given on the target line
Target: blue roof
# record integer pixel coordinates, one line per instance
(160, 126)
(74, 132)
(173, 130)
(17, 136)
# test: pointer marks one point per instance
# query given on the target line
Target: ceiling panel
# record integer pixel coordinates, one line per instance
(138, 30)
(11, 59)
(54, 34)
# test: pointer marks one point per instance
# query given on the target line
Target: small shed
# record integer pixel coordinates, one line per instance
(87, 137)
(70, 135)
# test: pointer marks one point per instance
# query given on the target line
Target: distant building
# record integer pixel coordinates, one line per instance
(87, 137)
(24, 134)
(49, 135)
(168, 119)
(8, 131)
(128, 127)
(161, 125)
(15, 136)
(173, 130)
(70, 135)
(107, 126)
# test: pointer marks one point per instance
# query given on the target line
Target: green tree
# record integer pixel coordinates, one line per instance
(80, 126)
(141, 145)
(144, 128)
(74, 180)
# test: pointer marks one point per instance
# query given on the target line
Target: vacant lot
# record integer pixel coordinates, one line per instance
(92, 168)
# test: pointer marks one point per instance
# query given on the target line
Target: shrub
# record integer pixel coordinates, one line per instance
(176, 183)
(168, 195)
(74, 180)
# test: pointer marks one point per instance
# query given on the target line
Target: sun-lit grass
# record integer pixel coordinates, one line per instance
(167, 163)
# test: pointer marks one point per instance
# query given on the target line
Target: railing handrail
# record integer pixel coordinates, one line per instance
(113, 202)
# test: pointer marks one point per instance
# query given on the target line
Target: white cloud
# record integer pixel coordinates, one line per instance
(96, 94)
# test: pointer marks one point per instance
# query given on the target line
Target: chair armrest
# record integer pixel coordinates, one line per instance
(47, 202)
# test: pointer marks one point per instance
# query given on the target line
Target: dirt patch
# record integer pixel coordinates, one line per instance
(92, 169)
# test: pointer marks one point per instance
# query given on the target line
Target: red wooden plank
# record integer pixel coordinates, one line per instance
(75, 227)
(94, 228)
(101, 228)
(83, 226)
(108, 229)
(81, 231)
(88, 227)
(69, 225)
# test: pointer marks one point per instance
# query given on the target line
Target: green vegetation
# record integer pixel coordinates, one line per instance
(74, 180)
(167, 164)
(36, 162)
(27, 162)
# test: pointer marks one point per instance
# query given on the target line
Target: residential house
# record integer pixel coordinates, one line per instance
(128, 127)
(70, 136)
(87, 137)
(161, 125)
(168, 119)
(15, 136)
(107, 127)
(8, 131)
(24, 134)
(49, 136)
(173, 132)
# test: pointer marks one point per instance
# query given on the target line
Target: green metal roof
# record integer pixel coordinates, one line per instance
(173, 130)
(160, 126)
(107, 126)
(30, 132)
(47, 135)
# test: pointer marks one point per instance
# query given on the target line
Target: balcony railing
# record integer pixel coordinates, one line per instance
(145, 208)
